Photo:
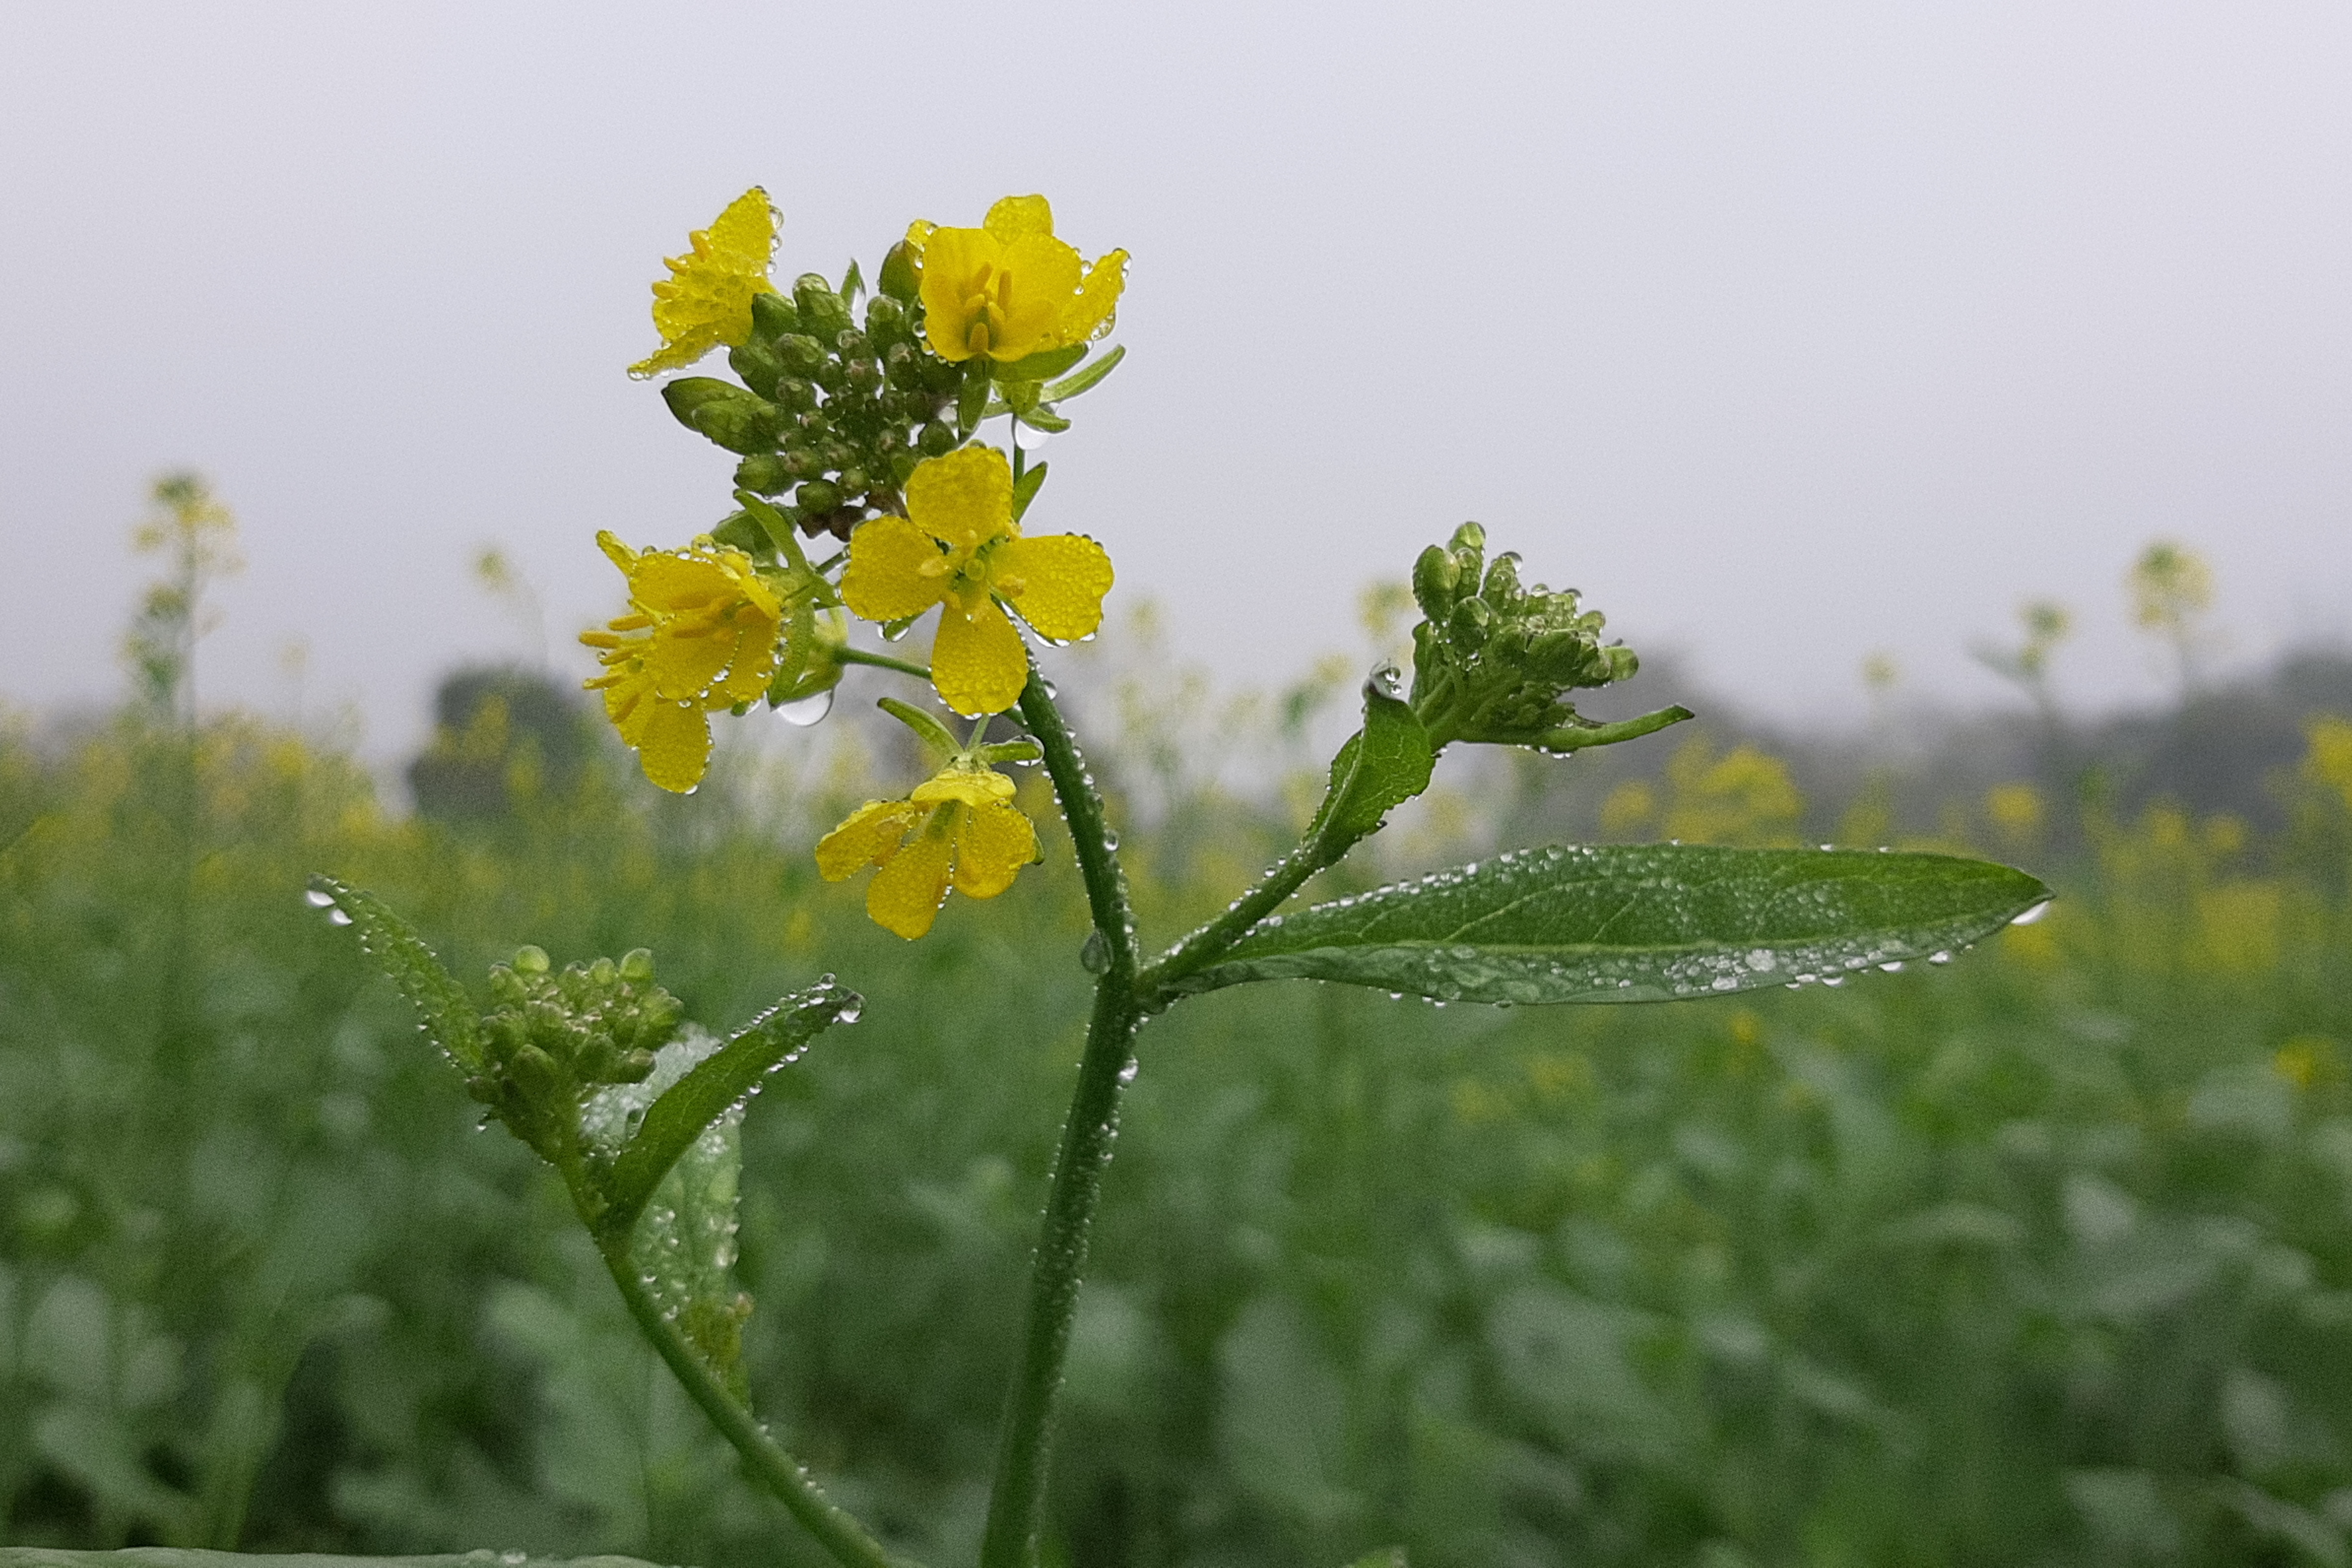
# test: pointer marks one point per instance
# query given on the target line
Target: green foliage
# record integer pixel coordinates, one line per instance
(2043, 1257)
(1635, 923)
(1378, 769)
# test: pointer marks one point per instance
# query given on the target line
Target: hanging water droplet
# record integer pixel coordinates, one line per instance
(848, 1014)
(1028, 437)
(806, 711)
(1833, 978)
(2036, 913)
(1094, 956)
(336, 914)
(1939, 958)
(1892, 966)
(319, 898)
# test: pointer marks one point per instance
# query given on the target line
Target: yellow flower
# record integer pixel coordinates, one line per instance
(965, 833)
(958, 545)
(701, 633)
(707, 298)
(1009, 289)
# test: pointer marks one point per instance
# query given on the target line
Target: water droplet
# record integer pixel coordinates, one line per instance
(1892, 966)
(1127, 1074)
(806, 711)
(1094, 956)
(1110, 838)
(319, 898)
(338, 916)
(2036, 913)
(1833, 978)
(1028, 437)
(849, 1014)
(1939, 958)
(1725, 983)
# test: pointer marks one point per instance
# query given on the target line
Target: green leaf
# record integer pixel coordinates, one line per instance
(1386, 1557)
(1645, 922)
(1042, 365)
(974, 397)
(716, 1085)
(1024, 490)
(1071, 385)
(1382, 766)
(1042, 417)
(401, 954)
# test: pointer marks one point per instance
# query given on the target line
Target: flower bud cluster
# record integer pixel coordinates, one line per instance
(552, 1039)
(832, 414)
(1493, 659)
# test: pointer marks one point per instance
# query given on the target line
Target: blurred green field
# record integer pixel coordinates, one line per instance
(2045, 1257)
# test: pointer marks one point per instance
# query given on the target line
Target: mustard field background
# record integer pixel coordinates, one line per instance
(2042, 1256)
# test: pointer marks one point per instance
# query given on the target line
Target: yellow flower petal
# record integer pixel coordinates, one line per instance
(964, 500)
(886, 579)
(707, 300)
(1056, 581)
(994, 843)
(972, 786)
(869, 835)
(905, 894)
(978, 663)
(674, 745)
(1019, 215)
(1089, 315)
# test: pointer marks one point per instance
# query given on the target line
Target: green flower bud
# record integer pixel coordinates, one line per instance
(885, 321)
(832, 375)
(1435, 576)
(804, 462)
(795, 394)
(773, 315)
(722, 412)
(825, 315)
(939, 375)
(800, 353)
(903, 466)
(637, 966)
(530, 961)
(899, 280)
(865, 375)
(603, 972)
(764, 474)
(851, 344)
(634, 1067)
(937, 439)
(756, 361)
(1502, 590)
(816, 496)
(535, 1073)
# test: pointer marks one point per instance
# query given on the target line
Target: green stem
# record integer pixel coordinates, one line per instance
(1205, 946)
(1016, 1502)
(882, 661)
(783, 1475)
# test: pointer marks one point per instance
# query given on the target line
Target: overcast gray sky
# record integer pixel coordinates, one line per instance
(1789, 332)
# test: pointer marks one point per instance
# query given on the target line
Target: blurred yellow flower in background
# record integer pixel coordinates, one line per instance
(959, 546)
(966, 834)
(701, 633)
(707, 298)
(1009, 289)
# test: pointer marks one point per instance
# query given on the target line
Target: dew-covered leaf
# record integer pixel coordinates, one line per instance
(1380, 767)
(702, 1091)
(682, 1238)
(401, 954)
(1634, 923)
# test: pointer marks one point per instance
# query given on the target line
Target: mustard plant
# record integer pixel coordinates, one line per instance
(871, 485)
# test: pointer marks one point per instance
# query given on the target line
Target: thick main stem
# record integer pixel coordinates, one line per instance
(818, 1514)
(1017, 1499)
